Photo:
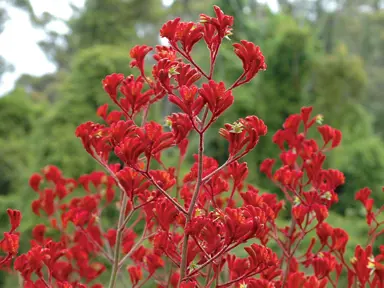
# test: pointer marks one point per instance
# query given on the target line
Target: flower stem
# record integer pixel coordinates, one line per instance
(289, 237)
(183, 266)
(115, 267)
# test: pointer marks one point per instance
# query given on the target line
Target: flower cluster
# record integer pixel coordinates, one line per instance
(187, 230)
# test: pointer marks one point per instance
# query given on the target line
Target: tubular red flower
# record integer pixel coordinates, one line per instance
(217, 98)
(135, 274)
(110, 84)
(138, 53)
(181, 126)
(252, 58)
(222, 22)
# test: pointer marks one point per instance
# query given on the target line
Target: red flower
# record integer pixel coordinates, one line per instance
(135, 274)
(111, 82)
(138, 53)
(14, 219)
(134, 99)
(244, 223)
(363, 194)
(133, 182)
(102, 111)
(330, 134)
(339, 239)
(185, 75)
(153, 262)
(252, 58)
(238, 172)
(222, 22)
(266, 167)
(324, 231)
(169, 30)
(10, 243)
(323, 264)
(260, 257)
(149, 140)
(189, 33)
(181, 126)
(243, 134)
(128, 240)
(38, 233)
(164, 179)
(217, 97)
(188, 101)
(163, 71)
(91, 135)
(35, 181)
(164, 52)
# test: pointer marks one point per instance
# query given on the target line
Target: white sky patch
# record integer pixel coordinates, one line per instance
(18, 42)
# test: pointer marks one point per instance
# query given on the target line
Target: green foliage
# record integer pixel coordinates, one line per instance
(82, 95)
(18, 113)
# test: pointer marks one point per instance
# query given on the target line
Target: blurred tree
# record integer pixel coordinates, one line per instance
(82, 94)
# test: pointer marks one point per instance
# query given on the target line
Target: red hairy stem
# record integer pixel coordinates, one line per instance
(288, 246)
(183, 265)
(120, 230)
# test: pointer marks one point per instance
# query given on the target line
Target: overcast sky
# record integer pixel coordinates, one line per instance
(18, 42)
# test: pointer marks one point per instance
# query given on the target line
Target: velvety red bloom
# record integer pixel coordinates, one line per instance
(111, 82)
(288, 177)
(186, 75)
(165, 179)
(149, 140)
(128, 240)
(267, 202)
(298, 280)
(363, 194)
(165, 52)
(10, 243)
(360, 262)
(266, 167)
(238, 172)
(35, 181)
(166, 213)
(243, 135)
(260, 257)
(181, 126)
(38, 233)
(207, 231)
(188, 33)
(91, 135)
(138, 53)
(153, 262)
(339, 239)
(252, 58)
(170, 29)
(323, 264)
(133, 182)
(188, 102)
(118, 131)
(217, 97)
(163, 72)
(330, 134)
(324, 231)
(102, 111)
(135, 274)
(134, 99)
(46, 202)
(14, 219)
(244, 223)
(222, 22)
